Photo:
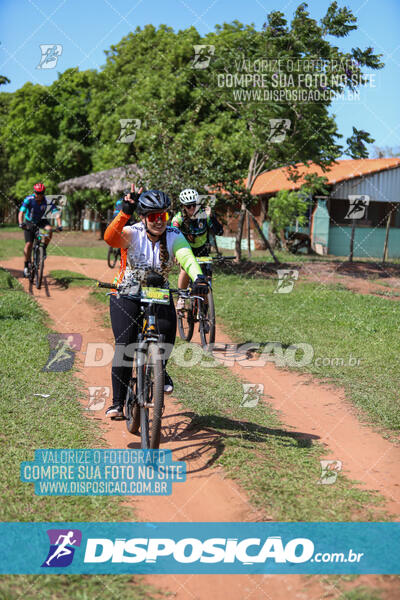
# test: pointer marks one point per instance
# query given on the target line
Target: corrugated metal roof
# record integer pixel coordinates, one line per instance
(383, 186)
(342, 170)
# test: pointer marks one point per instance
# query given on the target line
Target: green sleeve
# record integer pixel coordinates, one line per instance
(185, 257)
(177, 220)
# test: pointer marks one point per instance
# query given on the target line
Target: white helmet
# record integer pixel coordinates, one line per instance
(189, 197)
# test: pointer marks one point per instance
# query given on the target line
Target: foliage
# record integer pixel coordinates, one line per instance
(285, 208)
(356, 143)
(385, 151)
(189, 129)
(47, 136)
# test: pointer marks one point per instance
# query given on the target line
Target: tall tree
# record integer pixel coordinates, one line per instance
(312, 134)
(47, 135)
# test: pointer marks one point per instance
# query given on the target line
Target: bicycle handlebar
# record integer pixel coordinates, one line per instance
(35, 228)
(109, 286)
(222, 257)
(120, 289)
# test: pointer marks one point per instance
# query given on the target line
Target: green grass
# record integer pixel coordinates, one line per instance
(68, 279)
(25, 418)
(78, 251)
(100, 296)
(335, 322)
(277, 467)
(284, 257)
(288, 257)
(100, 300)
(9, 228)
(388, 294)
(361, 593)
(28, 422)
(10, 248)
(15, 247)
(78, 587)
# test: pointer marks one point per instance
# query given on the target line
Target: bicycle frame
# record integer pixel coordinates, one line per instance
(200, 309)
(148, 334)
(39, 234)
(36, 264)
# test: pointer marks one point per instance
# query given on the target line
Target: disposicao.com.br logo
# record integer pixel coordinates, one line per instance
(62, 547)
(191, 550)
(200, 548)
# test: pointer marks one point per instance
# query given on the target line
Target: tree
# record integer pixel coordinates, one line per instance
(47, 136)
(385, 151)
(356, 143)
(313, 134)
(284, 209)
(188, 126)
(6, 179)
(287, 207)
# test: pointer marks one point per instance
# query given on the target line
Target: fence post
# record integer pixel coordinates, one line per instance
(386, 244)
(353, 228)
(248, 234)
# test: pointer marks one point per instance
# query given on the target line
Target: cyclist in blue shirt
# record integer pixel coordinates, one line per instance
(118, 208)
(34, 210)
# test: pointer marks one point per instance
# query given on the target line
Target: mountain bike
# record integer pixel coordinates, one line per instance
(199, 310)
(112, 256)
(36, 265)
(145, 393)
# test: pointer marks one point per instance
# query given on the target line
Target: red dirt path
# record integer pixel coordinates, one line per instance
(207, 494)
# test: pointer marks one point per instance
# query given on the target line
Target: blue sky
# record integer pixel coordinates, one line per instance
(86, 29)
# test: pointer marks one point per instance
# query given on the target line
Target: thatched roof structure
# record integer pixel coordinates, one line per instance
(113, 180)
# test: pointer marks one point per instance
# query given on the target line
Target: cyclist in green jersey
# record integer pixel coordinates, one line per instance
(196, 226)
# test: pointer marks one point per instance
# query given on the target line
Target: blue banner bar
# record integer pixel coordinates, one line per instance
(205, 548)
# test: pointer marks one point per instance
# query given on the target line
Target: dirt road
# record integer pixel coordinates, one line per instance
(207, 495)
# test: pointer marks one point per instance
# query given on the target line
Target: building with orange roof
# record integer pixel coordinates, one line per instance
(364, 195)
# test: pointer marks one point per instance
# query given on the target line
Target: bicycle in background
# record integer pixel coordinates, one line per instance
(112, 256)
(36, 265)
(200, 310)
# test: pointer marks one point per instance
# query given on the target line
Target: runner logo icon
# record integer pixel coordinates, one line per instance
(202, 55)
(62, 547)
(50, 55)
(357, 207)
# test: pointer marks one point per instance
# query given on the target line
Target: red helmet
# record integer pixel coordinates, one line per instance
(39, 188)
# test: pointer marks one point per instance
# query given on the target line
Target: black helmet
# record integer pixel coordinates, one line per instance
(153, 201)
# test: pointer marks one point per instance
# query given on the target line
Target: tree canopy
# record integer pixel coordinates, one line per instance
(202, 111)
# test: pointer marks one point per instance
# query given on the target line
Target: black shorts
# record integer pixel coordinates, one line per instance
(203, 250)
(29, 234)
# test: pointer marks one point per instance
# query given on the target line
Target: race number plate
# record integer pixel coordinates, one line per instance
(204, 259)
(157, 295)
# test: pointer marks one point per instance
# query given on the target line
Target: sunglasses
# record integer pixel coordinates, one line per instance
(153, 217)
(191, 205)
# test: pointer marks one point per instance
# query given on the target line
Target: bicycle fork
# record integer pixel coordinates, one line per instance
(142, 382)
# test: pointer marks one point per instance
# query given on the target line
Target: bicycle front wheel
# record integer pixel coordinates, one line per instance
(186, 323)
(207, 323)
(132, 412)
(39, 259)
(151, 384)
(32, 267)
(156, 376)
